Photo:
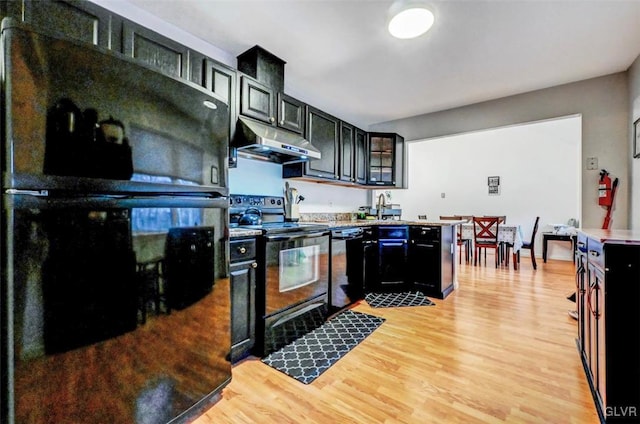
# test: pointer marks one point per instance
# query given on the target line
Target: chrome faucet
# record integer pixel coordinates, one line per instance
(381, 204)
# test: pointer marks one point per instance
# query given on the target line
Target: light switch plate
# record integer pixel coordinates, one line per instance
(592, 163)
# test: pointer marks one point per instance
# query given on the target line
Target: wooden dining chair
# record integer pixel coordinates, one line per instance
(485, 234)
(502, 219)
(459, 240)
(530, 244)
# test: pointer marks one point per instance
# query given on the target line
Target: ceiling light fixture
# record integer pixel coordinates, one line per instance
(409, 19)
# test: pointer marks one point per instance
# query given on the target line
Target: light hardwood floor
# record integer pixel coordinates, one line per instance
(499, 349)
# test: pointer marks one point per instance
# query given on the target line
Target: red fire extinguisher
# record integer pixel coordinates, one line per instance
(604, 189)
(606, 194)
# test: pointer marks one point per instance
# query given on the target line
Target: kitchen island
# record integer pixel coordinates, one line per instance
(421, 257)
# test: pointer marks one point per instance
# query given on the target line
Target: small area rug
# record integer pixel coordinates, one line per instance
(312, 354)
(393, 300)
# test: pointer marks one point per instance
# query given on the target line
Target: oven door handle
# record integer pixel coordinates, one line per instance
(296, 236)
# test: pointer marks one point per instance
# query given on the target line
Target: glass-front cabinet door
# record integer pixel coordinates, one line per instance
(386, 158)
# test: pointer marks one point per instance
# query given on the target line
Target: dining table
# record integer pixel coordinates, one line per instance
(507, 233)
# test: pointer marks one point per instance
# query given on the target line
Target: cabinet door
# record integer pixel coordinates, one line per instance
(81, 21)
(424, 266)
(381, 159)
(370, 275)
(386, 160)
(360, 160)
(148, 47)
(392, 262)
(322, 132)
(290, 113)
(591, 349)
(222, 81)
(257, 100)
(347, 152)
(601, 351)
(581, 298)
(243, 282)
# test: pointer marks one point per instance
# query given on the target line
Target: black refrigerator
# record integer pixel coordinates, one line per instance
(115, 291)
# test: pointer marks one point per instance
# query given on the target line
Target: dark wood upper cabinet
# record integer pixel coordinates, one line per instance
(264, 67)
(81, 21)
(221, 80)
(347, 152)
(343, 148)
(290, 113)
(166, 55)
(360, 161)
(322, 132)
(386, 160)
(257, 100)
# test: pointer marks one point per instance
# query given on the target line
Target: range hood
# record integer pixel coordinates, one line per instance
(273, 144)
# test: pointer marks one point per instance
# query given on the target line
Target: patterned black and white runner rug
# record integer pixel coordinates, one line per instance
(312, 354)
(392, 300)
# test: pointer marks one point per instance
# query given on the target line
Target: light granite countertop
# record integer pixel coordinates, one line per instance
(249, 232)
(613, 236)
(372, 222)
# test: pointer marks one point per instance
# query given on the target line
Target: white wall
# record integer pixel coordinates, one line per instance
(602, 102)
(257, 177)
(538, 165)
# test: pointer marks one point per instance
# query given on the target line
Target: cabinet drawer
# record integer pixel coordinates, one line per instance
(425, 233)
(242, 250)
(595, 254)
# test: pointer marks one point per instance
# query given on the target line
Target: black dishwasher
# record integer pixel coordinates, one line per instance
(347, 284)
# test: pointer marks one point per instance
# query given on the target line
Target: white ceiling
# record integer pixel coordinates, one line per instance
(341, 59)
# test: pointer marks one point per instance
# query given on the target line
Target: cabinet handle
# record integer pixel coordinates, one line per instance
(254, 265)
(242, 250)
(594, 253)
(272, 119)
(282, 122)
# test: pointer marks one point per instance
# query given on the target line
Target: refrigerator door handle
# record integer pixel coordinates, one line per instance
(41, 193)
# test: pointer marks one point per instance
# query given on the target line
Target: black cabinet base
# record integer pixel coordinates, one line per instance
(431, 291)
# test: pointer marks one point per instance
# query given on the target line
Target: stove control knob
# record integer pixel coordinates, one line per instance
(279, 202)
(273, 201)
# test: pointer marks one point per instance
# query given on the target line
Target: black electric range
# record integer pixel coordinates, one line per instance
(269, 210)
(292, 275)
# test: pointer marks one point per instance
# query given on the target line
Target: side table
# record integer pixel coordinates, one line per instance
(572, 238)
